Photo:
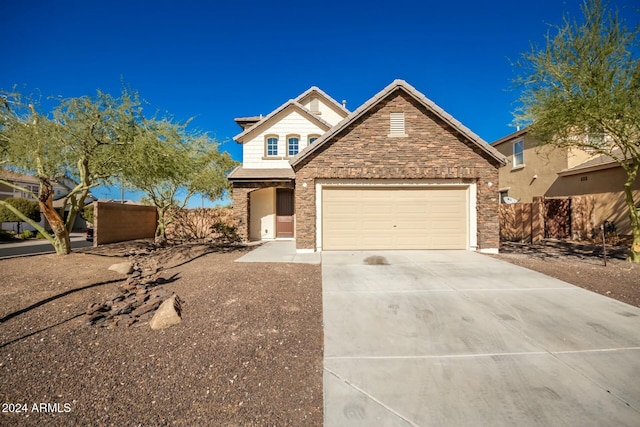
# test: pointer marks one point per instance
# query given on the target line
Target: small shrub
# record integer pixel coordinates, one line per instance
(40, 236)
(226, 232)
(27, 234)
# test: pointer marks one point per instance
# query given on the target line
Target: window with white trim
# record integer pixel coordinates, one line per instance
(518, 153)
(293, 145)
(396, 124)
(271, 146)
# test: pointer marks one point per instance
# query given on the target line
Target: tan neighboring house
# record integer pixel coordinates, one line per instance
(535, 170)
(31, 183)
(397, 173)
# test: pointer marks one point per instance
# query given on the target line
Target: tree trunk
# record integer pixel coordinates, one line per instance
(634, 216)
(62, 244)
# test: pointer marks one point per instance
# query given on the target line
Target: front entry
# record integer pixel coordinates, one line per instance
(284, 212)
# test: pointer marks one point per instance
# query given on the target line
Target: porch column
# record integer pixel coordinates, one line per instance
(241, 211)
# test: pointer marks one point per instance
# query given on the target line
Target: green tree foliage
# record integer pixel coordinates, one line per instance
(87, 213)
(77, 143)
(585, 82)
(170, 163)
(26, 207)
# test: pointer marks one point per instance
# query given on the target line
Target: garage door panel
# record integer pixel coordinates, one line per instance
(394, 218)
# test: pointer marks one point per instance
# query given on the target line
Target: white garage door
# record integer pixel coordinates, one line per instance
(394, 218)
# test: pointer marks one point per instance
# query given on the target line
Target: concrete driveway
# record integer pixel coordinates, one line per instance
(456, 338)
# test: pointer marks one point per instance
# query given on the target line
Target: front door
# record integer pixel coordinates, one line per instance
(284, 212)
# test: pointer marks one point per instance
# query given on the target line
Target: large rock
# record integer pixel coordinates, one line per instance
(168, 314)
(122, 268)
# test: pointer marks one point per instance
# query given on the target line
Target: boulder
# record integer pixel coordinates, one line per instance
(168, 314)
(122, 268)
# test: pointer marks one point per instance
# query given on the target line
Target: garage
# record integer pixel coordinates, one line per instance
(357, 218)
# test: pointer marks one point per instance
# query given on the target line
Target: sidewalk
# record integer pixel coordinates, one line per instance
(74, 237)
(280, 251)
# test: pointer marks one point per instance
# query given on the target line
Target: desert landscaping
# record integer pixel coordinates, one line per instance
(247, 352)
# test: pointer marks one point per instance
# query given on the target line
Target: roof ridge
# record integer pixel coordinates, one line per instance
(418, 96)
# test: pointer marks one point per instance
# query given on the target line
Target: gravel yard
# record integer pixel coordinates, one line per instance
(248, 351)
(581, 265)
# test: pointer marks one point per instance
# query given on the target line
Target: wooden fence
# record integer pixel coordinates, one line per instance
(547, 218)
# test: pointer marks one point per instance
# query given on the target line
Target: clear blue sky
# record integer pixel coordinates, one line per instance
(216, 61)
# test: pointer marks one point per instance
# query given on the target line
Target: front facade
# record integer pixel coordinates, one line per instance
(397, 173)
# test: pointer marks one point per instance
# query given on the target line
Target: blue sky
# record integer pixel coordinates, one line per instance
(216, 61)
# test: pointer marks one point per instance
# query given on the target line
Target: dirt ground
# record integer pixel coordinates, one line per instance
(580, 264)
(248, 351)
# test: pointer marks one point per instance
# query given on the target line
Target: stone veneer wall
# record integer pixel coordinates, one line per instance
(432, 150)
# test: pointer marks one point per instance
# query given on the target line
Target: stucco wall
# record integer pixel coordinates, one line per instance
(115, 222)
(540, 170)
(432, 150)
(607, 187)
(263, 214)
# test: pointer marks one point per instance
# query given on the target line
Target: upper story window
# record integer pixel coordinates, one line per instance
(271, 145)
(293, 145)
(396, 124)
(312, 138)
(518, 153)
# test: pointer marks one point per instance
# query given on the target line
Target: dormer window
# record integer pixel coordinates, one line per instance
(293, 145)
(312, 138)
(271, 146)
(396, 124)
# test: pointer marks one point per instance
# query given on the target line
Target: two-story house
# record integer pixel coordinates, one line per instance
(268, 143)
(397, 173)
(537, 170)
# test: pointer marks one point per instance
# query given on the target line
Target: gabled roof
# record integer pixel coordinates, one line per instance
(316, 90)
(291, 104)
(511, 136)
(423, 100)
(597, 163)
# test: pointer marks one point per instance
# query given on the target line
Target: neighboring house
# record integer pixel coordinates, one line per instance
(536, 170)
(60, 190)
(397, 173)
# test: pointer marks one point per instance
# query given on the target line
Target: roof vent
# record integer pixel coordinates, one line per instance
(344, 103)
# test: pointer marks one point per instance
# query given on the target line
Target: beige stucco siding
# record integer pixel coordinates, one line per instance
(540, 170)
(607, 187)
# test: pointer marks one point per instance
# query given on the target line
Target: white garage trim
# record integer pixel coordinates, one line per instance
(471, 195)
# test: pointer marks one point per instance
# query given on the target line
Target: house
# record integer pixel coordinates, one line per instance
(397, 173)
(537, 170)
(31, 183)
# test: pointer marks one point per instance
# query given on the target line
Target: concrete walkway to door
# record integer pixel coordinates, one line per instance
(456, 338)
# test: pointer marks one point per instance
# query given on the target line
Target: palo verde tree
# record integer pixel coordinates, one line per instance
(76, 144)
(586, 82)
(170, 163)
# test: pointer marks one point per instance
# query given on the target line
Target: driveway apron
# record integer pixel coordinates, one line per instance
(457, 338)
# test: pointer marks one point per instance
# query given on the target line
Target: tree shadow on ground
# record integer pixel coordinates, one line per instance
(55, 297)
(553, 248)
